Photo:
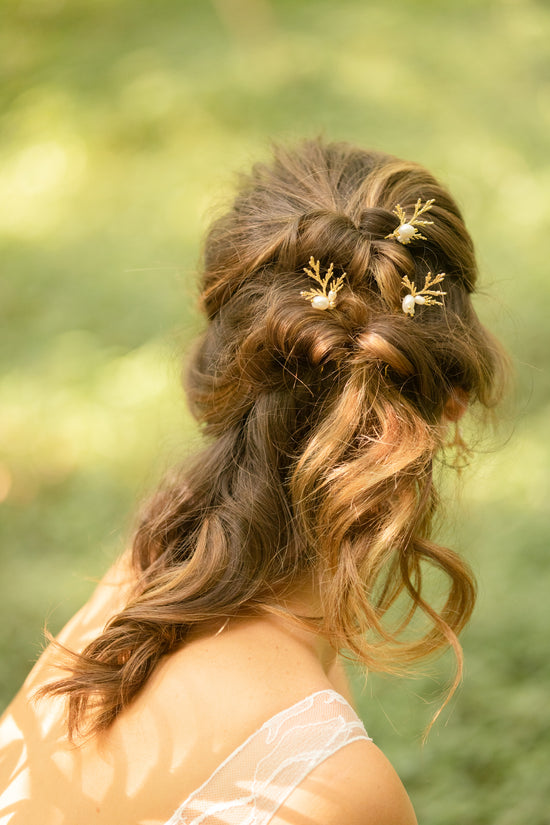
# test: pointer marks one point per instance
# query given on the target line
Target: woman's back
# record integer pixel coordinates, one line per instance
(205, 733)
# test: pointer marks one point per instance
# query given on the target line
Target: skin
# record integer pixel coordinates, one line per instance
(182, 725)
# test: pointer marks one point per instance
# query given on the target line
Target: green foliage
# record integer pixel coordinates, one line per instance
(122, 123)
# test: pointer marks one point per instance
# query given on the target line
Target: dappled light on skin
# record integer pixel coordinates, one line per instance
(13, 752)
(93, 777)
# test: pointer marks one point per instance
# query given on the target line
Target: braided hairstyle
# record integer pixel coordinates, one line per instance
(321, 427)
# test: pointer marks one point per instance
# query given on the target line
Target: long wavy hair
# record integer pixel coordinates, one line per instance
(321, 428)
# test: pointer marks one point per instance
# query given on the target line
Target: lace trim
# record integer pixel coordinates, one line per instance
(256, 778)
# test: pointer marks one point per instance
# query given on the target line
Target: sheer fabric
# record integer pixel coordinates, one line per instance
(255, 780)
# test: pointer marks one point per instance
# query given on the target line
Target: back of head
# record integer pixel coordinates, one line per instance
(338, 412)
(336, 203)
(323, 423)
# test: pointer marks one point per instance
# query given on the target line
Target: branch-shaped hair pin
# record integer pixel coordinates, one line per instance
(426, 295)
(407, 230)
(320, 298)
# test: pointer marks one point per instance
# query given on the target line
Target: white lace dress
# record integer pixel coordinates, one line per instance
(255, 780)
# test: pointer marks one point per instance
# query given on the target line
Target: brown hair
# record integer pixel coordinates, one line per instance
(322, 426)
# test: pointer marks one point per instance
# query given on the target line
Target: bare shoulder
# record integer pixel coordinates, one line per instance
(356, 785)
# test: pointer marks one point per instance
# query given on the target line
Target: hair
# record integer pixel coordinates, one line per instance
(321, 428)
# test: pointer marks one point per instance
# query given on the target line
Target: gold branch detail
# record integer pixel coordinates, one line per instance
(426, 295)
(320, 298)
(407, 230)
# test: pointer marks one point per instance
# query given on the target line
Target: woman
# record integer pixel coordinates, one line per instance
(341, 345)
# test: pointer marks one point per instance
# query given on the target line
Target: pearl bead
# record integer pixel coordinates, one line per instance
(408, 304)
(405, 232)
(419, 299)
(320, 302)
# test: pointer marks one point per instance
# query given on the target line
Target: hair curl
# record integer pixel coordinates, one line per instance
(322, 427)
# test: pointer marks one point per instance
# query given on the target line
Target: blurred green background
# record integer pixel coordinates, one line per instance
(122, 124)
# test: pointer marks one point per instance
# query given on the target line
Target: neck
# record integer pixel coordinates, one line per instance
(304, 602)
(285, 615)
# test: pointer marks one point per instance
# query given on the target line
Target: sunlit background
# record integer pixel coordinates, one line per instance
(122, 124)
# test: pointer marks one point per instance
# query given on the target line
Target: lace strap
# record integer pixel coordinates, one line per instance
(255, 780)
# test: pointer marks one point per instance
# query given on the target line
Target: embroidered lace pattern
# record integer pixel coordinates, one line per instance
(255, 780)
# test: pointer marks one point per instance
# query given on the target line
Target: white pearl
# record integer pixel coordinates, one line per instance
(320, 302)
(419, 299)
(405, 232)
(332, 298)
(408, 304)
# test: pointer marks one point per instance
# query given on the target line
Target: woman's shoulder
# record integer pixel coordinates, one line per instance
(238, 676)
(205, 702)
(356, 785)
(253, 680)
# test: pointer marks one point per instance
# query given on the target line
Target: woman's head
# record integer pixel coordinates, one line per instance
(335, 203)
(322, 424)
(339, 409)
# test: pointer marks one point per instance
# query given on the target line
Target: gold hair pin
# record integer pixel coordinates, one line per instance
(422, 296)
(407, 231)
(319, 298)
